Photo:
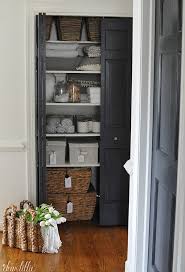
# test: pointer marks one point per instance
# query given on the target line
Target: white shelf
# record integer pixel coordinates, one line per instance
(74, 135)
(73, 165)
(73, 42)
(72, 104)
(71, 72)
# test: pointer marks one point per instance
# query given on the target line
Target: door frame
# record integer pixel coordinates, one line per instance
(141, 134)
(143, 79)
(141, 127)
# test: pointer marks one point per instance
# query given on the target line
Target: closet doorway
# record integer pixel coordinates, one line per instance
(83, 105)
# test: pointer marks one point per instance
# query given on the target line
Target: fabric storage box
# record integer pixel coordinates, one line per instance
(55, 152)
(83, 204)
(79, 179)
(83, 152)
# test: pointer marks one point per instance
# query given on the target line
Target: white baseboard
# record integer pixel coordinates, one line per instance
(126, 266)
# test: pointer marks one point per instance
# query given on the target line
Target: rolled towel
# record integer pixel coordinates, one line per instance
(67, 122)
(60, 129)
(70, 129)
(50, 129)
(53, 121)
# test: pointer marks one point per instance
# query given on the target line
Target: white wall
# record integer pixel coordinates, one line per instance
(99, 7)
(13, 186)
(13, 91)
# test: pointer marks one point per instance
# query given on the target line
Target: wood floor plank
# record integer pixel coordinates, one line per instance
(86, 248)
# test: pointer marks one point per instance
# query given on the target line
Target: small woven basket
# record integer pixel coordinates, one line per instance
(83, 205)
(80, 180)
(69, 28)
(49, 21)
(93, 28)
(19, 233)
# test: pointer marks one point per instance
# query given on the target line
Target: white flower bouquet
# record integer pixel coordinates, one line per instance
(48, 218)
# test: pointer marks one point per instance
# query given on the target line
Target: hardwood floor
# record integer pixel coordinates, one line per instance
(86, 248)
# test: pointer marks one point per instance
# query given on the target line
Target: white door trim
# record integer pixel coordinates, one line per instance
(179, 241)
(141, 133)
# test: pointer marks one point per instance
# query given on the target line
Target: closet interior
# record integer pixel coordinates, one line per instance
(83, 116)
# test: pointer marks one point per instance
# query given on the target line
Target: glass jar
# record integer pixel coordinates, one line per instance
(74, 92)
(61, 95)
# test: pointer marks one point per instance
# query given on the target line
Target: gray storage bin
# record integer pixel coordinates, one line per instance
(83, 152)
(58, 150)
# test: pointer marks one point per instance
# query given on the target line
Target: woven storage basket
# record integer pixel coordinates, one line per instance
(93, 28)
(49, 21)
(69, 28)
(83, 205)
(19, 233)
(80, 179)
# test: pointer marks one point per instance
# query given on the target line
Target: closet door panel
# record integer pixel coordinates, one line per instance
(40, 109)
(115, 120)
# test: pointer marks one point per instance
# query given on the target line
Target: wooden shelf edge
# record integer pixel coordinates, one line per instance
(73, 165)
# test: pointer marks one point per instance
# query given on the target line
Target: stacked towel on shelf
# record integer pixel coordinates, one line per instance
(94, 94)
(93, 51)
(60, 125)
(50, 129)
(62, 50)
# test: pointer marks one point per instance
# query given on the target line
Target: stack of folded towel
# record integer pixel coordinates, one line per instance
(93, 51)
(62, 50)
(60, 125)
(94, 94)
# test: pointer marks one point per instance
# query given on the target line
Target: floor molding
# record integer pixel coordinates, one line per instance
(126, 266)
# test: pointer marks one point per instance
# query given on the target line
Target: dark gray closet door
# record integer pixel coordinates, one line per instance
(40, 108)
(165, 133)
(115, 120)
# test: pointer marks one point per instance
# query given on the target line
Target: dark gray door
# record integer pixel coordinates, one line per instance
(40, 108)
(115, 120)
(165, 134)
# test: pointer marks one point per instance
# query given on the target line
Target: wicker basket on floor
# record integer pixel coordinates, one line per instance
(93, 28)
(19, 233)
(83, 205)
(69, 28)
(80, 180)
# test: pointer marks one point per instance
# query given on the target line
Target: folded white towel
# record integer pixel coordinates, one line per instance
(61, 54)
(58, 46)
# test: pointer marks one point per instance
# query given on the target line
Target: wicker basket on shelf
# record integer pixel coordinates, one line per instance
(80, 180)
(93, 28)
(19, 233)
(69, 28)
(49, 21)
(83, 205)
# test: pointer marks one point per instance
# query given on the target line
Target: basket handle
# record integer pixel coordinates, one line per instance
(29, 204)
(10, 211)
(31, 212)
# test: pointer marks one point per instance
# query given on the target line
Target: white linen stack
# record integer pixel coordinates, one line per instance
(60, 125)
(62, 50)
(93, 51)
(94, 94)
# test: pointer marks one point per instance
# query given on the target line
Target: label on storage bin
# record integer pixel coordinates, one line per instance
(68, 182)
(53, 158)
(81, 158)
(69, 207)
